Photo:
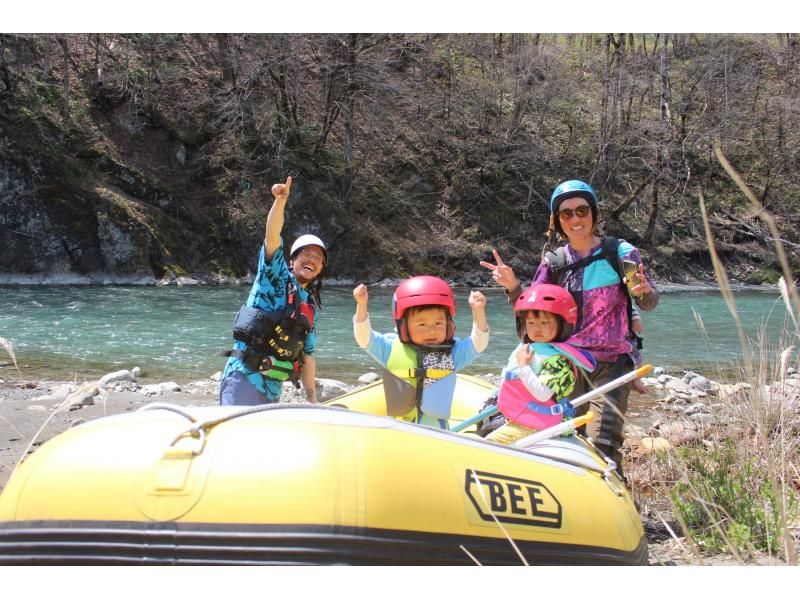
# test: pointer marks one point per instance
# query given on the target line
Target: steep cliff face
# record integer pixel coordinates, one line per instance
(63, 228)
(72, 211)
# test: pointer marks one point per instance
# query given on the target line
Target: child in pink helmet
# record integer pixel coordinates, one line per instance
(541, 371)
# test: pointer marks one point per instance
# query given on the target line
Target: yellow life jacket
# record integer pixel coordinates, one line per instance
(404, 381)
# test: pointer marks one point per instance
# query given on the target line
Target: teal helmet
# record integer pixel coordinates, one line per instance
(569, 189)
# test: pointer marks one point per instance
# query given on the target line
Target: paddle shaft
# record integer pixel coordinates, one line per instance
(610, 385)
(475, 419)
(565, 426)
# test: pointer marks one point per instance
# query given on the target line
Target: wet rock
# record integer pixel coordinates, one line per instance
(186, 281)
(216, 376)
(659, 371)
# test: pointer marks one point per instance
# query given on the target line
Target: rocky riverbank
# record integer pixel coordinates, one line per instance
(676, 410)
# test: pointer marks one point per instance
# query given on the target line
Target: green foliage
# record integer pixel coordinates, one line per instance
(725, 499)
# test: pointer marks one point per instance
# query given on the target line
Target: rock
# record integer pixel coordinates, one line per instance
(664, 378)
(792, 383)
(678, 386)
(689, 375)
(678, 432)
(36, 408)
(119, 376)
(169, 387)
(150, 390)
(216, 376)
(704, 419)
(633, 431)
(330, 389)
(186, 281)
(696, 408)
(734, 392)
(369, 378)
(649, 445)
(60, 392)
(700, 383)
(83, 396)
(136, 372)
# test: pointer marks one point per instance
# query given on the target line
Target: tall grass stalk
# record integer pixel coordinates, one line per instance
(6, 344)
(757, 375)
(482, 494)
(769, 220)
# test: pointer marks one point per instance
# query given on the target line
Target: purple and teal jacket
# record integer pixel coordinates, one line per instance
(602, 325)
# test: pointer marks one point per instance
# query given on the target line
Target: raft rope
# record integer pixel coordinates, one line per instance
(201, 428)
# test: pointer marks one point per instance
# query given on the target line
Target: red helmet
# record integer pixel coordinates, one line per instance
(551, 298)
(422, 290)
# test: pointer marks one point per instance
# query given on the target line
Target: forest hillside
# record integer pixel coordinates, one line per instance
(137, 156)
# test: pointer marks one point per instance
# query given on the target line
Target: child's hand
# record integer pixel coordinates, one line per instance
(361, 294)
(523, 356)
(281, 190)
(637, 326)
(477, 300)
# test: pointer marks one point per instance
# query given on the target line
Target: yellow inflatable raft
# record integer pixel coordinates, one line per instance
(286, 484)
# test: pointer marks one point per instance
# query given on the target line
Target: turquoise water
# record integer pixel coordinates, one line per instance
(174, 333)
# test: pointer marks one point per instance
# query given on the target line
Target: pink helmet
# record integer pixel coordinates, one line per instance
(551, 298)
(422, 290)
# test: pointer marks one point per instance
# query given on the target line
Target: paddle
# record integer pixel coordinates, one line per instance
(558, 429)
(610, 385)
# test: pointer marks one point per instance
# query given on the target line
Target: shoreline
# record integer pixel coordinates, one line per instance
(100, 279)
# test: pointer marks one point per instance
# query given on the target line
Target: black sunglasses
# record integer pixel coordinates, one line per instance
(568, 213)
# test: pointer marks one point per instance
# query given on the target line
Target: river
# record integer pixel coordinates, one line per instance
(176, 333)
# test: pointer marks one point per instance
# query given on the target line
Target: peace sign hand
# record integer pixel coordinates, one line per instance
(502, 274)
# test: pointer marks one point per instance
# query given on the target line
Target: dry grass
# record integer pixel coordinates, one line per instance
(6, 344)
(737, 490)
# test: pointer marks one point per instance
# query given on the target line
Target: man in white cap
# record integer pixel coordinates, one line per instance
(274, 331)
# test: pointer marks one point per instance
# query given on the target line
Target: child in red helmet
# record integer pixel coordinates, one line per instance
(542, 369)
(421, 359)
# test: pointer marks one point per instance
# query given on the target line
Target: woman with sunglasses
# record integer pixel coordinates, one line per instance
(585, 267)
